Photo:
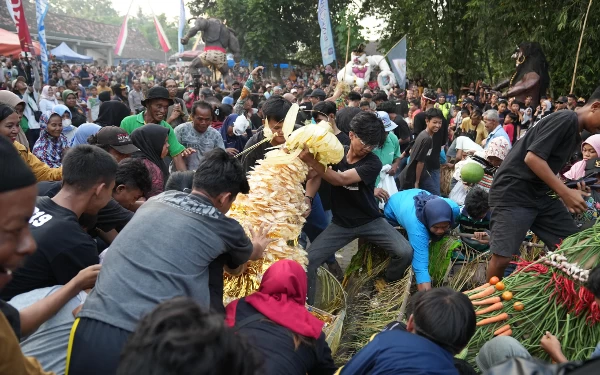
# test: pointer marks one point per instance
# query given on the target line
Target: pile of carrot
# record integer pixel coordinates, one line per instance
(535, 307)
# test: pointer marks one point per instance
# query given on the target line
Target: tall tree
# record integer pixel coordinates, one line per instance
(453, 42)
(96, 10)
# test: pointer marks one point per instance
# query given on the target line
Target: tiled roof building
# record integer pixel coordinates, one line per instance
(84, 36)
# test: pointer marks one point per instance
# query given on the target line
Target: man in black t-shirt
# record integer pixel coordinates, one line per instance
(64, 248)
(525, 191)
(440, 138)
(353, 204)
(416, 174)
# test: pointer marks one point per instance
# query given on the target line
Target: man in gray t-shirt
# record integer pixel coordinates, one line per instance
(48, 344)
(199, 135)
(164, 252)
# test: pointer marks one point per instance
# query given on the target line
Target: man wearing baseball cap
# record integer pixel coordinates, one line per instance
(157, 103)
(389, 153)
(115, 141)
(561, 103)
(317, 95)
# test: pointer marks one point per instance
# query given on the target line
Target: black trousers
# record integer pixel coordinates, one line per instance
(95, 347)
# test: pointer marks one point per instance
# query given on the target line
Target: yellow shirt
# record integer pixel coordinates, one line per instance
(102, 89)
(482, 133)
(40, 169)
(12, 360)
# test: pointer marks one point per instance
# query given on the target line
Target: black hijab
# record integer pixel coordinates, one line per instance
(150, 139)
(111, 113)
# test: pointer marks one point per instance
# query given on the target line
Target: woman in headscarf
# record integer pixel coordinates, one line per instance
(47, 99)
(425, 217)
(111, 113)
(9, 128)
(543, 110)
(83, 132)
(276, 320)
(152, 140)
(11, 99)
(590, 149)
(52, 143)
(77, 115)
(231, 140)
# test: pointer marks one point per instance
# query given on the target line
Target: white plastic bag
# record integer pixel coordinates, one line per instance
(387, 183)
(459, 193)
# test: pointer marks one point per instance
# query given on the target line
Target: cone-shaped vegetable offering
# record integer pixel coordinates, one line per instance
(277, 198)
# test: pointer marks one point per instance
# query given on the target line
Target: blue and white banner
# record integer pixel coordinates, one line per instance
(41, 8)
(181, 25)
(327, 47)
(397, 59)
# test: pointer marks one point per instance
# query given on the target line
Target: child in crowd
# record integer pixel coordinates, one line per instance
(509, 126)
(590, 149)
(588, 218)
(93, 104)
(416, 175)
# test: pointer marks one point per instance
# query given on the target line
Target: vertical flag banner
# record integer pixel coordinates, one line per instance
(41, 8)
(162, 37)
(123, 34)
(181, 26)
(15, 8)
(397, 59)
(327, 48)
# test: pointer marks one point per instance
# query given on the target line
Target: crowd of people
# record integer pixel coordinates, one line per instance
(115, 183)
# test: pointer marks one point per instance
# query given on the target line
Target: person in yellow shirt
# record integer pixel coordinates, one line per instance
(473, 127)
(9, 127)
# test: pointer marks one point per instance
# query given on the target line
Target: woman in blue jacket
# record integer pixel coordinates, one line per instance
(425, 217)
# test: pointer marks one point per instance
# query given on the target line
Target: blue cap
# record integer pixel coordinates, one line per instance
(227, 100)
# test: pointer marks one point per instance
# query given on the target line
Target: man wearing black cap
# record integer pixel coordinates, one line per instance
(561, 103)
(157, 103)
(317, 95)
(115, 141)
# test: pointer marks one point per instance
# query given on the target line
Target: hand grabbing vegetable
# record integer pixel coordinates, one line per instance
(551, 345)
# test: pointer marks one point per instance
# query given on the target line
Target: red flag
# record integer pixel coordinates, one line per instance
(15, 8)
(162, 37)
(122, 36)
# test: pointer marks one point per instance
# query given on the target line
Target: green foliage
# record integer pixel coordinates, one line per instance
(281, 30)
(95, 10)
(454, 42)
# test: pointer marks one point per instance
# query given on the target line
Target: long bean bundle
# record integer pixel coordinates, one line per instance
(547, 296)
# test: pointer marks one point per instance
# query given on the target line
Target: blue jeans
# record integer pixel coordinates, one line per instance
(433, 183)
(316, 222)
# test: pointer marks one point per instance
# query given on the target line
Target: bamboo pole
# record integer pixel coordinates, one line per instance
(347, 50)
(579, 46)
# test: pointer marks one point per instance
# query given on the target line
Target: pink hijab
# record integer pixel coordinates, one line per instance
(577, 171)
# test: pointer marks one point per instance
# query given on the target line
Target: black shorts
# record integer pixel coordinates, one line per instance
(94, 347)
(549, 220)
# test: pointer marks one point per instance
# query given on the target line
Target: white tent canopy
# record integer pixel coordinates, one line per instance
(63, 52)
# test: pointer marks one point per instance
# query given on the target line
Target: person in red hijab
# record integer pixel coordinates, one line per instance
(276, 320)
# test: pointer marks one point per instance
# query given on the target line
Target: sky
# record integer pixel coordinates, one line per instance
(171, 9)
